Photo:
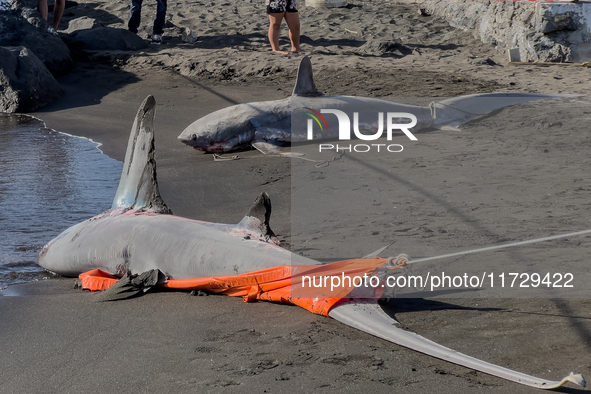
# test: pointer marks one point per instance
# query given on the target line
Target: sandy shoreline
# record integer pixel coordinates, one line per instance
(56, 338)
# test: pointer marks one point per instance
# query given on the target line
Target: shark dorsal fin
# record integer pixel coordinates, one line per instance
(138, 187)
(305, 86)
(258, 216)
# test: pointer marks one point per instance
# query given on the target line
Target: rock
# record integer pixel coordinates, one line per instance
(105, 39)
(383, 48)
(482, 61)
(82, 23)
(558, 22)
(189, 36)
(25, 83)
(5, 5)
(540, 31)
(27, 28)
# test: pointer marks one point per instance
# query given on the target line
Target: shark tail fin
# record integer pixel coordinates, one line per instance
(451, 113)
(305, 85)
(138, 187)
(258, 216)
(367, 316)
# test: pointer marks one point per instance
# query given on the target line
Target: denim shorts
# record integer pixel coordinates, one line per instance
(280, 6)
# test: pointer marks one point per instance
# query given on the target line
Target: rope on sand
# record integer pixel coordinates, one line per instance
(293, 155)
(497, 247)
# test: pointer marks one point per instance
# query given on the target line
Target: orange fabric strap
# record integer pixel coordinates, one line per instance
(311, 287)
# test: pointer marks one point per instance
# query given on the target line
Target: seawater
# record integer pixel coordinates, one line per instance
(49, 181)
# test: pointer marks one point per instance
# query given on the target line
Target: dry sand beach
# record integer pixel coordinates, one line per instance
(457, 190)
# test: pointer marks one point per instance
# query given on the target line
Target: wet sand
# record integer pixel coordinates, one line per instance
(57, 338)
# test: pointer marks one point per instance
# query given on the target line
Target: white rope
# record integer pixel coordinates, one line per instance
(489, 248)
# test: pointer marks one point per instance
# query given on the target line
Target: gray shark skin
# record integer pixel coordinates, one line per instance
(139, 233)
(271, 122)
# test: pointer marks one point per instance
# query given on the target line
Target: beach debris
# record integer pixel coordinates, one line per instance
(423, 12)
(218, 157)
(514, 55)
(139, 234)
(487, 61)
(189, 36)
(281, 122)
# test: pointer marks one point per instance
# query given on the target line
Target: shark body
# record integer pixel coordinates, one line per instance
(281, 122)
(139, 233)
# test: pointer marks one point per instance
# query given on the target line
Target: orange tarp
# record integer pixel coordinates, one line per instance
(97, 280)
(292, 284)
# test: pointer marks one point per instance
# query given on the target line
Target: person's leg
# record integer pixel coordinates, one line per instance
(135, 11)
(293, 22)
(58, 11)
(42, 8)
(274, 29)
(160, 17)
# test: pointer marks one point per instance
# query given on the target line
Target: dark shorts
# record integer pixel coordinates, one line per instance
(281, 6)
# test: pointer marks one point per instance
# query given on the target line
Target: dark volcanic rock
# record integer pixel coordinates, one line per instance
(82, 23)
(27, 28)
(105, 39)
(25, 82)
(383, 48)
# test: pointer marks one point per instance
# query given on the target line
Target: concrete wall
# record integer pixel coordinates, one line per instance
(552, 32)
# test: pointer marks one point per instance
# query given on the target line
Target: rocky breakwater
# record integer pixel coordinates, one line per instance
(30, 59)
(535, 31)
(31, 56)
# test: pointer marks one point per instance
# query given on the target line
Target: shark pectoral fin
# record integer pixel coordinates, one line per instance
(305, 85)
(131, 285)
(257, 218)
(138, 186)
(367, 316)
(265, 147)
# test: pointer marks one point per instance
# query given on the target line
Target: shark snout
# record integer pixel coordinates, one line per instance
(194, 140)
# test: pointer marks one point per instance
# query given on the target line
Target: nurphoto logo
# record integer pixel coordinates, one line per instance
(392, 123)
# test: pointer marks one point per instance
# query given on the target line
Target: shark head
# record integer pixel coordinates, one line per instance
(221, 131)
(241, 125)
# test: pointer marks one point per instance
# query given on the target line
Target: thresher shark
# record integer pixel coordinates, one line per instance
(139, 233)
(268, 124)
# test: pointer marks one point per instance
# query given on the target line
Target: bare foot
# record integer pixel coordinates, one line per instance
(281, 52)
(299, 50)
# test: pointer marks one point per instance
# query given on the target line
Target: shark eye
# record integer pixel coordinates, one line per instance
(194, 137)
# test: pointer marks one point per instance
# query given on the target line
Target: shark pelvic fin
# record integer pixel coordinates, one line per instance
(258, 216)
(138, 187)
(305, 86)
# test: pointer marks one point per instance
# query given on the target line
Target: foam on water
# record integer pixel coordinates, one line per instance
(49, 181)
